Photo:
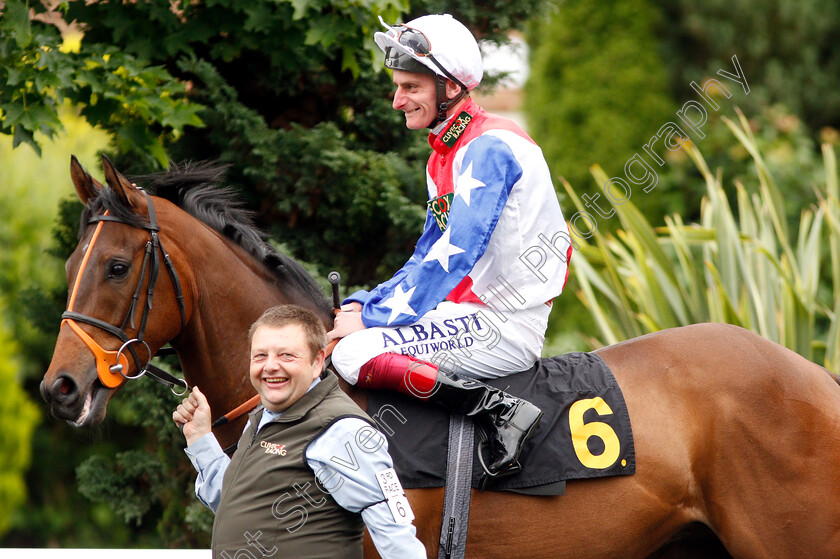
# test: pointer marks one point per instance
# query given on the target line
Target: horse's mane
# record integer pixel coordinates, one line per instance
(195, 188)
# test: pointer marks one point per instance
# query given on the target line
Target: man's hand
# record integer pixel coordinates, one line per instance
(347, 321)
(193, 416)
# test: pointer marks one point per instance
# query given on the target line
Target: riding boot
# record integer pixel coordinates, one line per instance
(504, 421)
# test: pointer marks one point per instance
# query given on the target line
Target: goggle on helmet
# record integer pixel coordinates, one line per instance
(438, 45)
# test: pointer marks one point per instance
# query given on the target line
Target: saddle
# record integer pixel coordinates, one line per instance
(584, 433)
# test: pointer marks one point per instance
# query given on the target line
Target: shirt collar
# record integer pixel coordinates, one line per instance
(446, 135)
(440, 126)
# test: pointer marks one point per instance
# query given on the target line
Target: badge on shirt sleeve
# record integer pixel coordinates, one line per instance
(440, 209)
(394, 495)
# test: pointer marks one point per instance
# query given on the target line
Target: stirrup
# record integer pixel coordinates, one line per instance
(487, 476)
(484, 443)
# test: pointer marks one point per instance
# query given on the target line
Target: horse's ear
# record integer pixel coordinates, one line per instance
(86, 185)
(118, 183)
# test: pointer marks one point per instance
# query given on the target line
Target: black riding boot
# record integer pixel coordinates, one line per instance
(505, 421)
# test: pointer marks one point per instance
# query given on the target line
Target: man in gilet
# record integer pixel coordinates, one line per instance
(303, 481)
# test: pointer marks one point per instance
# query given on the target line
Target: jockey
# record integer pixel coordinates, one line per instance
(473, 300)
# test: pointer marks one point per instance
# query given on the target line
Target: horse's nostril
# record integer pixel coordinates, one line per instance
(64, 389)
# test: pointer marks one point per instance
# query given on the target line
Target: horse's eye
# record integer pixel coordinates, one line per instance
(117, 270)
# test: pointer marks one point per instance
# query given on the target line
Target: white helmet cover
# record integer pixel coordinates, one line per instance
(451, 44)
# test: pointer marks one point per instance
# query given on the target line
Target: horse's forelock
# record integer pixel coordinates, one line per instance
(108, 200)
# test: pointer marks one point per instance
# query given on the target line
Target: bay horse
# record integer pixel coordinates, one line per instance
(736, 437)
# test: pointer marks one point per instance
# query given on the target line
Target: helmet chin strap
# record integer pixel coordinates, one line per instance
(445, 104)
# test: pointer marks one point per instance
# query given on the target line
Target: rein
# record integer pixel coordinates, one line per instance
(110, 365)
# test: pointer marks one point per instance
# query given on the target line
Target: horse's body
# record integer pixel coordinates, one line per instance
(732, 432)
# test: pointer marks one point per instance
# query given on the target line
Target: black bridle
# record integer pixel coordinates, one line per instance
(114, 362)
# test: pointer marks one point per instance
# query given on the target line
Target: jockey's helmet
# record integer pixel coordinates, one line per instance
(435, 44)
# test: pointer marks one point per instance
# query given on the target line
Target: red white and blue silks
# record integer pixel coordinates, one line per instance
(506, 244)
(495, 240)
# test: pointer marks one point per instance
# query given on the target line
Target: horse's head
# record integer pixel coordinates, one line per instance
(117, 274)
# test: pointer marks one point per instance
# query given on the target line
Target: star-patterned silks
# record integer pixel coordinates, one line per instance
(442, 250)
(399, 303)
(460, 257)
(467, 183)
(443, 259)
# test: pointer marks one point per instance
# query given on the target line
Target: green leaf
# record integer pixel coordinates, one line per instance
(322, 35)
(301, 7)
(22, 135)
(742, 270)
(16, 18)
(15, 76)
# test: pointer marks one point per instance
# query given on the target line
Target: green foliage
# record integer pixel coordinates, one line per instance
(31, 284)
(597, 89)
(336, 168)
(31, 280)
(743, 267)
(367, 189)
(32, 293)
(489, 19)
(787, 50)
(291, 35)
(138, 103)
(18, 417)
(123, 483)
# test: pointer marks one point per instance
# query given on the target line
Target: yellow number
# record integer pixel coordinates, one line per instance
(581, 432)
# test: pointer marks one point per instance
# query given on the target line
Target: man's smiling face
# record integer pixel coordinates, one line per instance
(415, 96)
(282, 365)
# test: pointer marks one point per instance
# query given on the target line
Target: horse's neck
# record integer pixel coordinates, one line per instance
(229, 291)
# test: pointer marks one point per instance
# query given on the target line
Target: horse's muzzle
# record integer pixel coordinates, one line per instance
(66, 400)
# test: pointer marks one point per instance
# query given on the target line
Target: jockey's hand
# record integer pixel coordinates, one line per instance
(346, 322)
(193, 416)
(352, 307)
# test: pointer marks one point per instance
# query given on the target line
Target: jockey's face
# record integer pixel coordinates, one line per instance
(415, 96)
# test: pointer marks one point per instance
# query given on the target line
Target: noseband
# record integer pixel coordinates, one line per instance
(110, 365)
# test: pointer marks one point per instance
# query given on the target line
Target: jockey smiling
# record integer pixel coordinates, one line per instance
(471, 302)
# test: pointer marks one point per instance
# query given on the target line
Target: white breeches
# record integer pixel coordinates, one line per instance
(464, 338)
